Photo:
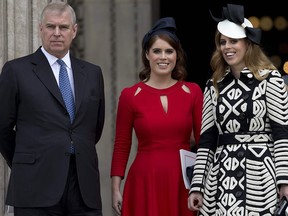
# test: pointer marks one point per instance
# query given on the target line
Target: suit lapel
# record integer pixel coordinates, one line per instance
(79, 81)
(45, 74)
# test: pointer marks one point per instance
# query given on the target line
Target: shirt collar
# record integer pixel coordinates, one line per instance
(52, 59)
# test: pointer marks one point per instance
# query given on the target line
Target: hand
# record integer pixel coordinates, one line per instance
(117, 202)
(283, 191)
(195, 201)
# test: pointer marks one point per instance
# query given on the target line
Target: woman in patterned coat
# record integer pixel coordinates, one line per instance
(242, 161)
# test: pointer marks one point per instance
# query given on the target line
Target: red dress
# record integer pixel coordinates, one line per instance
(154, 184)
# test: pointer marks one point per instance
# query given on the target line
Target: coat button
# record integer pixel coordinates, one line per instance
(239, 174)
(245, 96)
(238, 194)
(242, 116)
(250, 81)
(240, 154)
(220, 118)
(219, 99)
(222, 155)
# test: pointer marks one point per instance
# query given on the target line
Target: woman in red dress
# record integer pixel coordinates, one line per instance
(164, 111)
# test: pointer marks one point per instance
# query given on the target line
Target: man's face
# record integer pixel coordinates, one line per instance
(57, 32)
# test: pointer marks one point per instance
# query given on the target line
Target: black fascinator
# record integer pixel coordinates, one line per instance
(164, 25)
(233, 24)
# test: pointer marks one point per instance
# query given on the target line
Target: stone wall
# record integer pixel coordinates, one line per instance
(110, 34)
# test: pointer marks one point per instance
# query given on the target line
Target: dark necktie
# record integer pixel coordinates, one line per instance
(66, 90)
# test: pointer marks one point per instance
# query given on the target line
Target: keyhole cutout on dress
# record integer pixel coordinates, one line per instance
(164, 102)
(164, 98)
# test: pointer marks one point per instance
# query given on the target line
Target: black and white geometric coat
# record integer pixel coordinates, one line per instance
(243, 147)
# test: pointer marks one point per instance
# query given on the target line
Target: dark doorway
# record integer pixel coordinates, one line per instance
(196, 30)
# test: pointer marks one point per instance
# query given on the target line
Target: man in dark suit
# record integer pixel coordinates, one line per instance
(37, 133)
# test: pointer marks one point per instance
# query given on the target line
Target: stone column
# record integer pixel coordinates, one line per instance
(110, 35)
(113, 31)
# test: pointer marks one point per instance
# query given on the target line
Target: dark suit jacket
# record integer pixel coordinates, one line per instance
(35, 130)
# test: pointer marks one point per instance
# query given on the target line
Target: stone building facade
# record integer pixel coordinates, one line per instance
(110, 35)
